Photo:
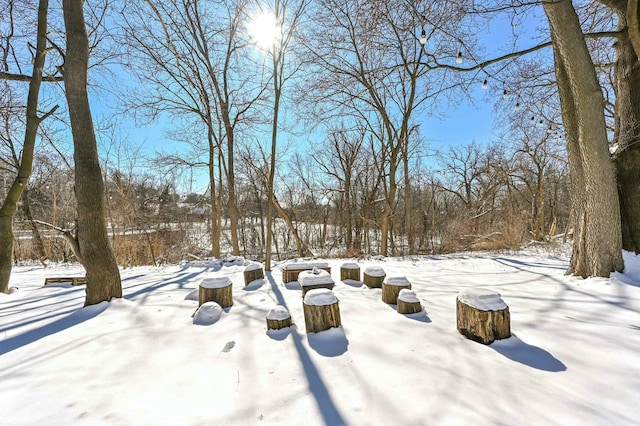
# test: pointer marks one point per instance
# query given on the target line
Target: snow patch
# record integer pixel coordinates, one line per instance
(320, 297)
(375, 271)
(397, 281)
(315, 277)
(350, 265)
(207, 314)
(482, 299)
(279, 313)
(253, 267)
(408, 296)
(216, 282)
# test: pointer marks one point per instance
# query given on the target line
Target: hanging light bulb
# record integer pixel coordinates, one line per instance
(532, 120)
(459, 58)
(423, 37)
(484, 84)
(505, 94)
(540, 122)
(517, 106)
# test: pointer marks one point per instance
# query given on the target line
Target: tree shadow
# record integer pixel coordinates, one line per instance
(533, 356)
(281, 334)
(76, 317)
(327, 407)
(293, 285)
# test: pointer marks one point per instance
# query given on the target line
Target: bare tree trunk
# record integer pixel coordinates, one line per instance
(35, 232)
(10, 204)
(103, 276)
(597, 239)
(627, 135)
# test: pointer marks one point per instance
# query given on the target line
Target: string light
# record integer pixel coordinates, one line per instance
(459, 58)
(532, 120)
(505, 94)
(484, 84)
(423, 37)
(517, 106)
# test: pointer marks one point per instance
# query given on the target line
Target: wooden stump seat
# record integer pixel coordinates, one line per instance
(482, 315)
(373, 276)
(218, 289)
(321, 310)
(408, 302)
(253, 272)
(292, 270)
(70, 280)
(316, 278)
(350, 271)
(391, 288)
(278, 317)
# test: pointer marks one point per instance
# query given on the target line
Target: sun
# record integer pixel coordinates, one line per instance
(264, 30)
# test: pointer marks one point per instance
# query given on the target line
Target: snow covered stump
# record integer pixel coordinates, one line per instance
(350, 271)
(292, 270)
(408, 302)
(321, 310)
(253, 272)
(482, 315)
(316, 278)
(217, 290)
(373, 276)
(391, 288)
(278, 317)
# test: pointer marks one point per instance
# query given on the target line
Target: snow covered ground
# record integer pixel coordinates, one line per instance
(574, 357)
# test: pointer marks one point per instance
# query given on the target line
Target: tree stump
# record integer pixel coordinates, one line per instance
(292, 270)
(278, 317)
(317, 278)
(253, 272)
(391, 288)
(408, 302)
(321, 310)
(482, 315)
(350, 271)
(373, 276)
(217, 290)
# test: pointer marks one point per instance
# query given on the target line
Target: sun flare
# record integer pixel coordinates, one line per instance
(264, 30)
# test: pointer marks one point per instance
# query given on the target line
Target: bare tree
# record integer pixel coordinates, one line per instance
(597, 238)
(103, 276)
(25, 160)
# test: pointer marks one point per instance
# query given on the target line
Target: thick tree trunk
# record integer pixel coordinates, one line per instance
(10, 204)
(627, 136)
(598, 243)
(103, 276)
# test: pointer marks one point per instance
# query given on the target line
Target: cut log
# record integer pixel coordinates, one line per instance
(391, 288)
(408, 302)
(278, 317)
(321, 310)
(373, 276)
(350, 271)
(292, 270)
(253, 272)
(219, 290)
(317, 278)
(482, 315)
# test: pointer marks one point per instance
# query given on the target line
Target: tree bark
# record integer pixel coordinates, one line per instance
(597, 249)
(627, 133)
(10, 204)
(103, 276)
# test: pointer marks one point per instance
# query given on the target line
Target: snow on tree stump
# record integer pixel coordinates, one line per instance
(408, 302)
(253, 272)
(373, 276)
(482, 315)
(278, 317)
(292, 270)
(321, 310)
(350, 271)
(391, 288)
(218, 289)
(316, 278)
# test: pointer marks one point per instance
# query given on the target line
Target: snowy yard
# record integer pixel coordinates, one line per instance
(574, 357)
